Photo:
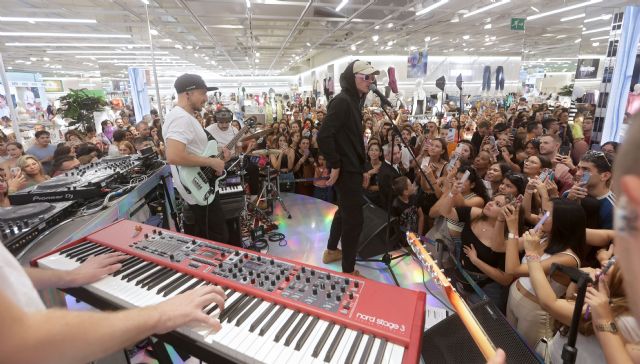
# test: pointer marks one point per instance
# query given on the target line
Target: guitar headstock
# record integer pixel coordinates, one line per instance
(250, 122)
(427, 261)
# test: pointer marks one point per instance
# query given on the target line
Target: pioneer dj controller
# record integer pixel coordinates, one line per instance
(85, 182)
(20, 225)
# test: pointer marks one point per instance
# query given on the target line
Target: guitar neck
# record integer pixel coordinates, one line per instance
(234, 141)
(476, 331)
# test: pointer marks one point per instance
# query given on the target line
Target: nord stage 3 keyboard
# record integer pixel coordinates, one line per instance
(277, 310)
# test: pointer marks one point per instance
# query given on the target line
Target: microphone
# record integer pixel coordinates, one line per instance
(383, 99)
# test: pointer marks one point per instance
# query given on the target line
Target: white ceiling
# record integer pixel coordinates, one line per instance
(281, 37)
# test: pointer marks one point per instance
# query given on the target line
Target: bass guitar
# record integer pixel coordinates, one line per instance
(478, 334)
(202, 183)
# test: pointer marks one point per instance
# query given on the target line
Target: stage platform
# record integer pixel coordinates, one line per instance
(308, 230)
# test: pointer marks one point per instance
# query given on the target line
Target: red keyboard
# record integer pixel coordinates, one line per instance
(277, 310)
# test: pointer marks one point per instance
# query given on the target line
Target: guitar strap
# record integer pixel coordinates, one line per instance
(209, 136)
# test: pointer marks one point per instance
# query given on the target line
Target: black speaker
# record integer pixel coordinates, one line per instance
(448, 341)
(373, 238)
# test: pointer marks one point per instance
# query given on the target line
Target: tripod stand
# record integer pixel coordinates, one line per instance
(270, 192)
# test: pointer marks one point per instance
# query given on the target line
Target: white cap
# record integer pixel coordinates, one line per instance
(365, 68)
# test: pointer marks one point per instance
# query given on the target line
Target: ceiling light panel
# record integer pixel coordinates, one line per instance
(485, 8)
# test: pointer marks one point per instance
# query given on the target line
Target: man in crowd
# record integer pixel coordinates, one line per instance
(389, 171)
(143, 130)
(549, 146)
(43, 150)
(340, 141)
(598, 166)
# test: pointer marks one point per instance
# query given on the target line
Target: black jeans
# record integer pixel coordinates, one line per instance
(207, 222)
(347, 221)
(499, 78)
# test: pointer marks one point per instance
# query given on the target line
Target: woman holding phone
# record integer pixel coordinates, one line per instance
(15, 150)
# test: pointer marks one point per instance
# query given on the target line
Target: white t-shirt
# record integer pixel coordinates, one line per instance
(181, 126)
(222, 137)
(15, 283)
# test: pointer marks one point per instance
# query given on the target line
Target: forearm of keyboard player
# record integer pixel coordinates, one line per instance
(58, 336)
(177, 155)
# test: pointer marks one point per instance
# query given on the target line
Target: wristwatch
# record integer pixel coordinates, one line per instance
(608, 326)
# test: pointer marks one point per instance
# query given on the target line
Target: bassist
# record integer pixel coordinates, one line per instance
(186, 140)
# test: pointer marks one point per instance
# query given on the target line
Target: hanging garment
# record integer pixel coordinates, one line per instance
(486, 78)
(391, 71)
(387, 91)
(419, 107)
(499, 78)
(330, 86)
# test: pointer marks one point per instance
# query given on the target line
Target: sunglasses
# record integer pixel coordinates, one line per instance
(598, 154)
(366, 77)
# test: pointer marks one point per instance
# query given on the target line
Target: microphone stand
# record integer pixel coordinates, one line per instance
(569, 350)
(386, 257)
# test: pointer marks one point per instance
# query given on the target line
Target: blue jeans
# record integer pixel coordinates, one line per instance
(496, 292)
(486, 78)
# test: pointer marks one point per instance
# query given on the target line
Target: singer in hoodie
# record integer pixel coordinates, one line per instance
(340, 141)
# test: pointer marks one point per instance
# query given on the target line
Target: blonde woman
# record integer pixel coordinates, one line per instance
(31, 169)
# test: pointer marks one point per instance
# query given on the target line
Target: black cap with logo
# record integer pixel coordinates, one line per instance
(190, 82)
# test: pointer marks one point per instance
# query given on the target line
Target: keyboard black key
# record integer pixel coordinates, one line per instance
(137, 269)
(128, 267)
(241, 309)
(227, 292)
(191, 286)
(381, 350)
(296, 329)
(334, 344)
(270, 322)
(85, 256)
(367, 350)
(142, 281)
(159, 279)
(176, 285)
(94, 248)
(75, 248)
(163, 279)
(248, 312)
(260, 319)
(135, 275)
(354, 348)
(169, 284)
(287, 325)
(305, 334)
(232, 307)
(323, 340)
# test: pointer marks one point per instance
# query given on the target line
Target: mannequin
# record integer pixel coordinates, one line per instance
(633, 100)
(419, 96)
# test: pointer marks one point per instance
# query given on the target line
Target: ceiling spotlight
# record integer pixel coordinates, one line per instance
(426, 39)
(455, 19)
(488, 26)
(353, 47)
(375, 38)
(390, 43)
(153, 32)
(573, 17)
(376, 27)
(390, 25)
(431, 7)
(248, 3)
(466, 37)
(535, 9)
(308, 44)
(595, 44)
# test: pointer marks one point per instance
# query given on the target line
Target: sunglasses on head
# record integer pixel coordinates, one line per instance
(366, 77)
(598, 154)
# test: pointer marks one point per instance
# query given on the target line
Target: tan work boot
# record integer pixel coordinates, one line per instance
(330, 256)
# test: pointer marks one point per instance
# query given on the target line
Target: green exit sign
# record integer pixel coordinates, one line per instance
(517, 23)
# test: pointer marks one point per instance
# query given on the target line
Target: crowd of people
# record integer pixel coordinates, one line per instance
(509, 189)
(22, 167)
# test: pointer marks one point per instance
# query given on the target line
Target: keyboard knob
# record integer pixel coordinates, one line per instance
(307, 279)
(343, 289)
(278, 277)
(258, 275)
(298, 277)
(237, 253)
(259, 258)
(338, 298)
(314, 291)
(273, 282)
(287, 278)
(246, 255)
(333, 286)
(350, 295)
(328, 276)
(356, 284)
(328, 294)
(272, 262)
(303, 270)
(313, 272)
